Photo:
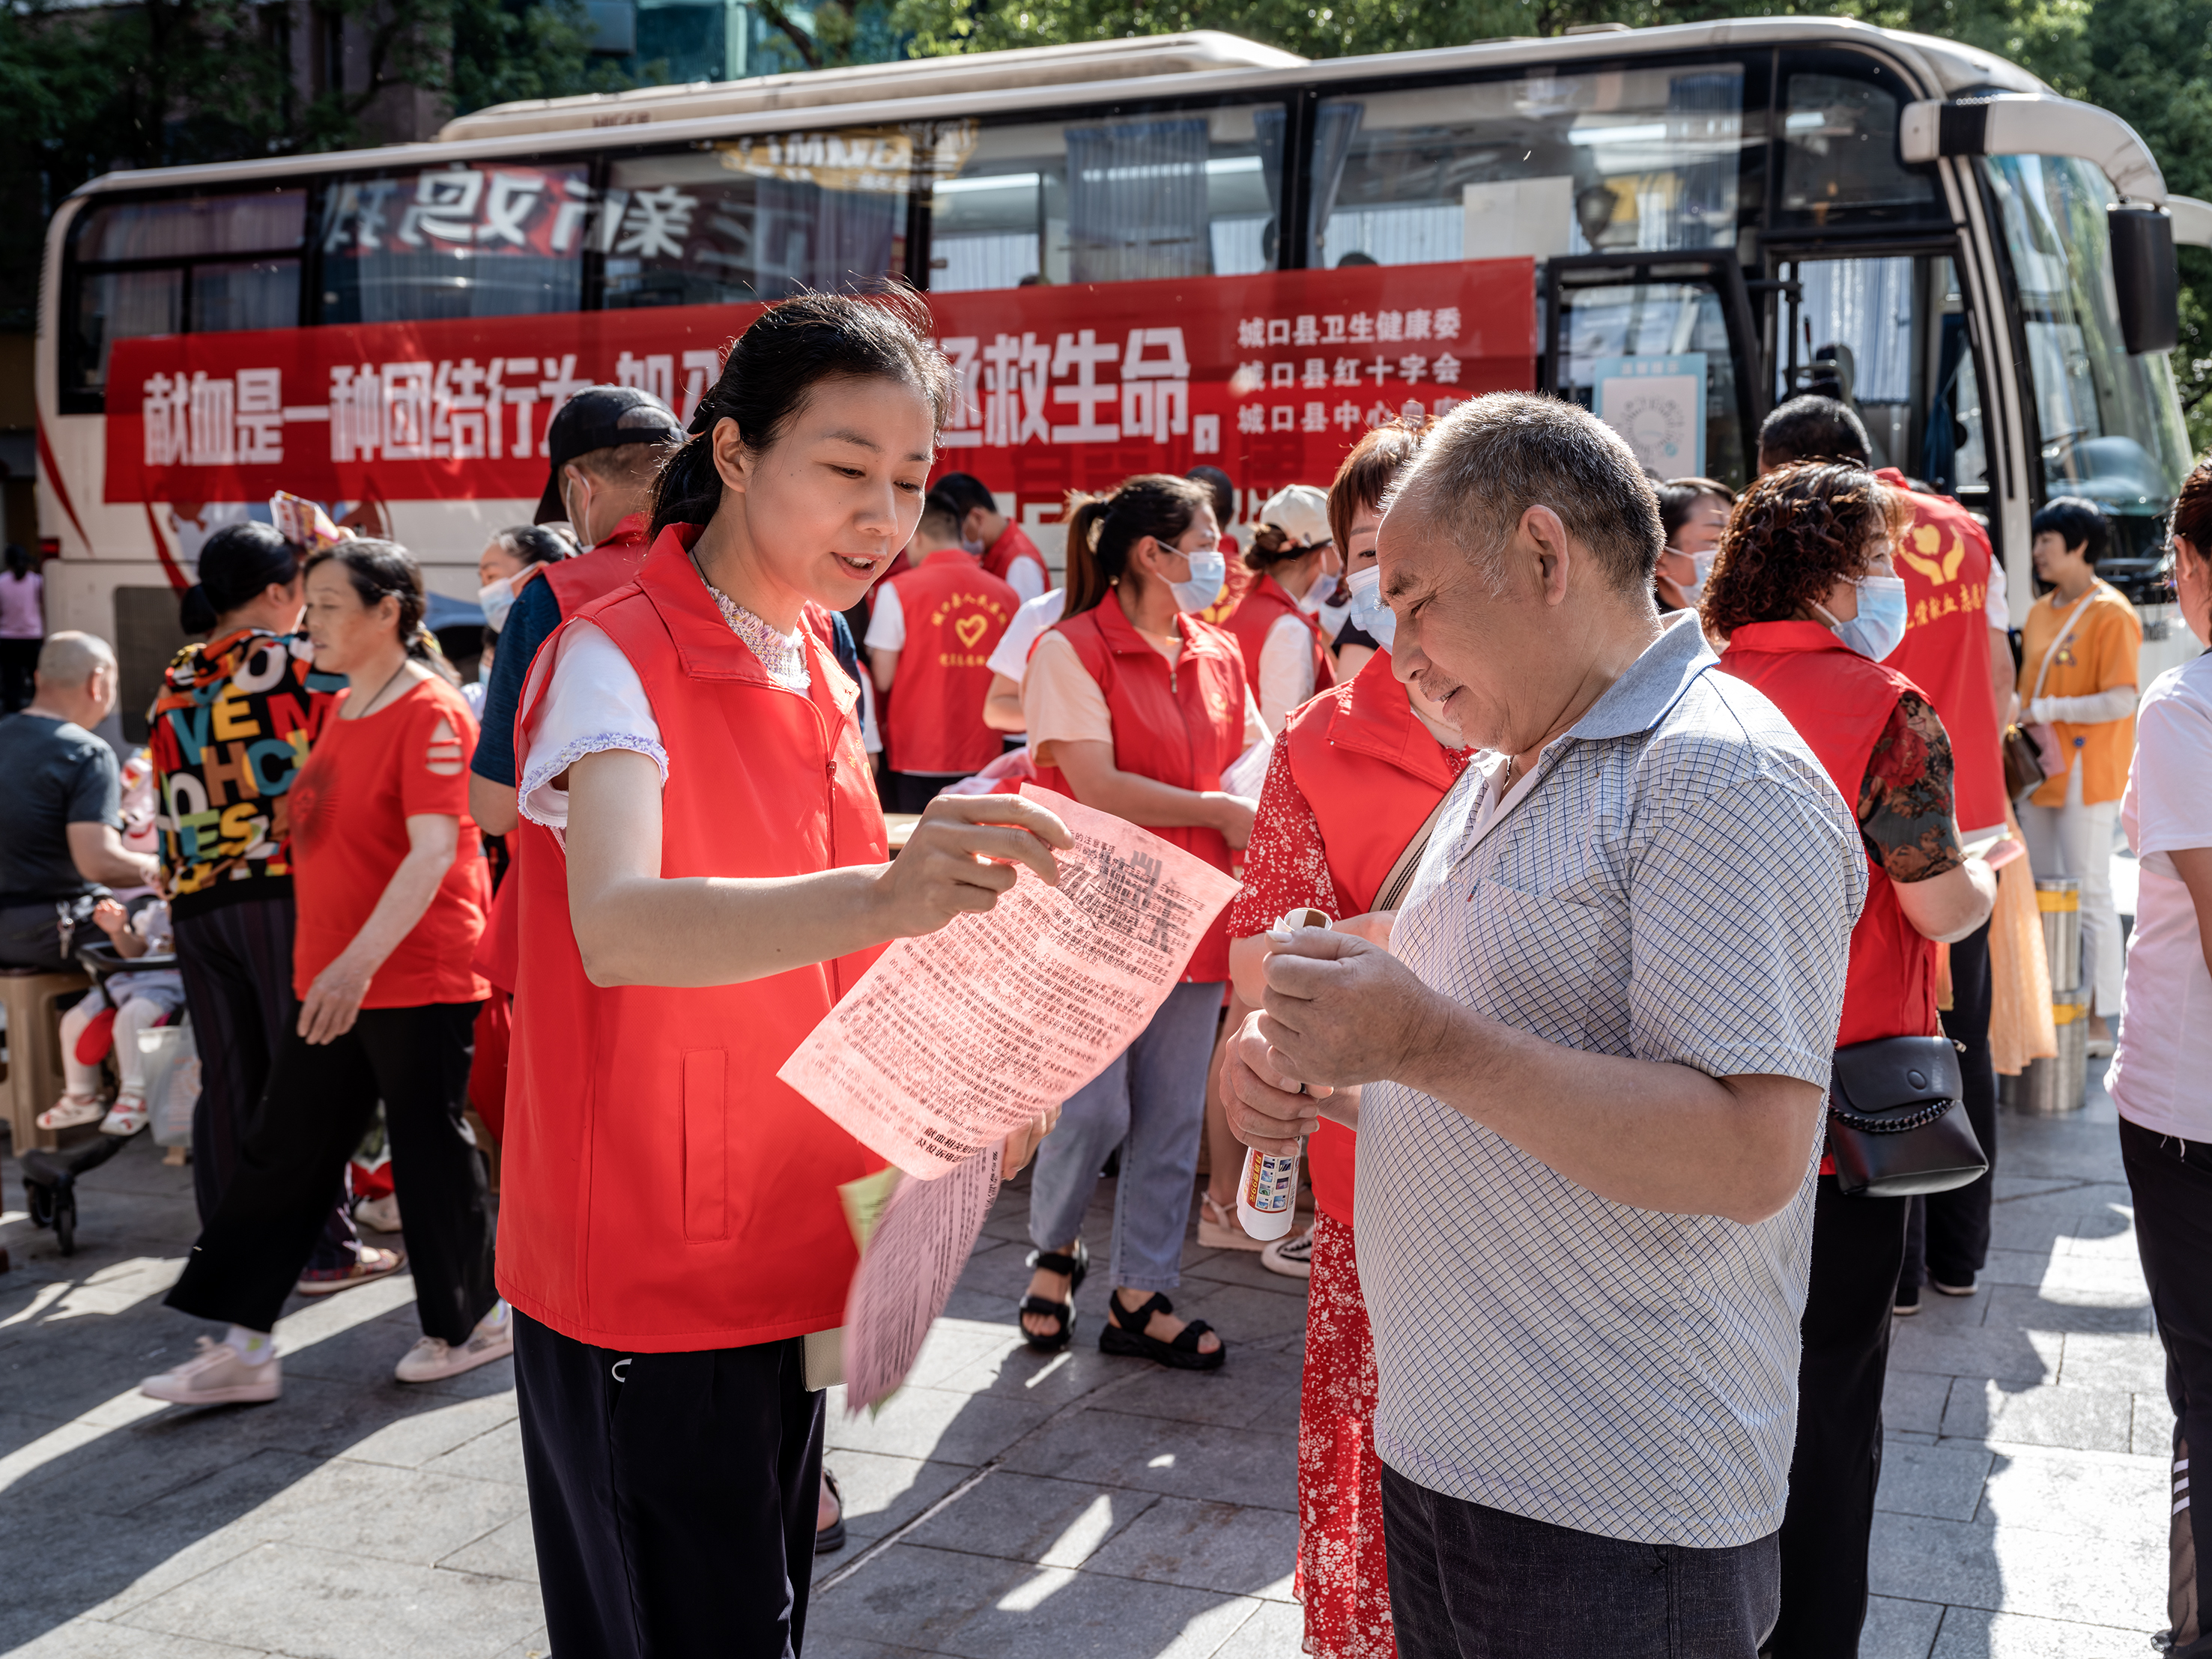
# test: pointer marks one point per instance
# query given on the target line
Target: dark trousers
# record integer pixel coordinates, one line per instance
(672, 1496)
(2172, 1182)
(320, 1100)
(910, 792)
(236, 964)
(19, 663)
(1948, 1236)
(1468, 1582)
(1858, 1245)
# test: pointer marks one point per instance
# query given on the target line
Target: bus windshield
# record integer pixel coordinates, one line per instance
(2111, 428)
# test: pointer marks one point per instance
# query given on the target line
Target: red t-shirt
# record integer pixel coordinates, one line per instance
(362, 781)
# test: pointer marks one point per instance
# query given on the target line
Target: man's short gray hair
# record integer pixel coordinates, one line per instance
(71, 659)
(1489, 461)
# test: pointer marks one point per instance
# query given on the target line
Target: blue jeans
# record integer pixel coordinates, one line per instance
(1150, 1101)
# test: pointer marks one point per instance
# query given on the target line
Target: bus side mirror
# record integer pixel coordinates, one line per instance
(2144, 278)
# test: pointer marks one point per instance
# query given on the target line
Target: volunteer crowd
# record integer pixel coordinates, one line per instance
(1640, 810)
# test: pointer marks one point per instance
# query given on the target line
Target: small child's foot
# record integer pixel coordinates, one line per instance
(127, 1117)
(70, 1112)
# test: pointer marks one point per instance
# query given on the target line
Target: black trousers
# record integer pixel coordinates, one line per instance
(19, 663)
(911, 792)
(236, 964)
(672, 1496)
(319, 1104)
(1468, 1582)
(1858, 1245)
(1948, 1237)
(2172, 1182)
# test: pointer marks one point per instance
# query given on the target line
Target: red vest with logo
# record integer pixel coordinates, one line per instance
(955, 613)
(1371, 775)
(662, 1190)
(1180, 726)
(1840, 702)
(575, 583)
(1265, 604)
(1944, 558)
(1013, 546)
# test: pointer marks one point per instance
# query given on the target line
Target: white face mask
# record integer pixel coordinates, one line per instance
(1323, 591)
(497, 598)
(973, 549)
(1369, 614)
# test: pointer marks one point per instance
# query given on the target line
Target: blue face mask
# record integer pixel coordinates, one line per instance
(1208, 571)
(1879, 629)
(1369, 614)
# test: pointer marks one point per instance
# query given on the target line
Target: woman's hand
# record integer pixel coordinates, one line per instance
(1232, 816)
(964, 853)
(1017, 1148)
(333, 1002)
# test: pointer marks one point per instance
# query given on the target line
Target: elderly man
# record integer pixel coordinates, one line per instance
(62, 846)
(1596, 1055)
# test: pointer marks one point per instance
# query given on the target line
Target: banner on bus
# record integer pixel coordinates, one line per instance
(1271, 378)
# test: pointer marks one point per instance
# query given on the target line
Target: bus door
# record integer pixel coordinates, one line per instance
(1664, 348)
(1890, 333)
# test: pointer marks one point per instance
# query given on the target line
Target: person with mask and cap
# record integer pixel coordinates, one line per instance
(1000, 545)
(606, 445)
(1805, 594)
(1692, 512)
(509, 561)
(1294, 566)
(1136, 707)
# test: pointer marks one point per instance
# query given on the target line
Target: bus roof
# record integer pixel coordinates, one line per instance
(1009, 82)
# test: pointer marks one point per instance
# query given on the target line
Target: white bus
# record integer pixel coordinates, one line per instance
(1141, 254)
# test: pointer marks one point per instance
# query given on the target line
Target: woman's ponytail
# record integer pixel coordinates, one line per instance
(1087, 583)
(195, 610)
(773, 366)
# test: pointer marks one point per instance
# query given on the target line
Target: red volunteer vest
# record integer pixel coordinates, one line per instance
(663, 1191)
(1179, 725)
(1945, 558)
(1839, 703)
(1371, 775)
(1264, 604)
(1013, 546)
(955, 613)
(575, 583)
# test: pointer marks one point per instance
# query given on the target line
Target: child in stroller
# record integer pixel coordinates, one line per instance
(128, 1003)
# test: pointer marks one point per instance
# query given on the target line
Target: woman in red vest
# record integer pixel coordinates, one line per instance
(1805, 593)
(1357, 777)
(704, 876)
(1135, 707)
(1294, 564)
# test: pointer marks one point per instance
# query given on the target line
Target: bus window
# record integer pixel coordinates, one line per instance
(497, 240)
(758, 217)
(1108, 199)
(1840, 163)
(163, 264)
(1678, 328)
(2110, 424)
(1549, 164)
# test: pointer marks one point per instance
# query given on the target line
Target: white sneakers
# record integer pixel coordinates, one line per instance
(216, 1376)
(1292, 1257)
(434, 1359)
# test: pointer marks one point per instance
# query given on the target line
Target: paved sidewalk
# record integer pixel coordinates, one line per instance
(1003, 1504)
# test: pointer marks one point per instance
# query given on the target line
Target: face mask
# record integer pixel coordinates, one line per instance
(1323, 591)
(973, 549)
(1879, 629)
(497, 598)
(1208, 571)
(1369, 614)
(1694, 590)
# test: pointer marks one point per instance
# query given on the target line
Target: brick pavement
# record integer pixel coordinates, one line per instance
(1003, 1504)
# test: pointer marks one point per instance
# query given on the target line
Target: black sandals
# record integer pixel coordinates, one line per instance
(1075, 1267)
(1125, 1334)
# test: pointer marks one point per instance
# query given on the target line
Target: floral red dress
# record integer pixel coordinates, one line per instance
(1342, 1576)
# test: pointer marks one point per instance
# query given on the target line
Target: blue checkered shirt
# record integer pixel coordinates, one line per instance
(1677, 883)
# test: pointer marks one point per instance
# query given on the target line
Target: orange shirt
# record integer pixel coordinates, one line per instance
(362, 781)
(2102, 651)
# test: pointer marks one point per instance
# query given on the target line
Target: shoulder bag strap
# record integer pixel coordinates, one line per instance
(2064, 633)
(1393, 889)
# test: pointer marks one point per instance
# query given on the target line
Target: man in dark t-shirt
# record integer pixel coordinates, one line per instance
(62, 844)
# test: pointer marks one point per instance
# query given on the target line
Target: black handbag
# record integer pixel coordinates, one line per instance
(1897, 1125)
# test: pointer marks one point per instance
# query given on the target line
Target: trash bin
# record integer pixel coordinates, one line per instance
(2048, 1087)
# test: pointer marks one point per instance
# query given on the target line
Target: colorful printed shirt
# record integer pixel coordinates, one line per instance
(231, 730)
(1904, 806)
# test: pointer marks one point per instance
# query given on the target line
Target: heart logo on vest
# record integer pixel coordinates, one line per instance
(969, 630)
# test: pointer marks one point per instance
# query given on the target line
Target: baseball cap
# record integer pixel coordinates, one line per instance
(601, 417)
(1300, 512)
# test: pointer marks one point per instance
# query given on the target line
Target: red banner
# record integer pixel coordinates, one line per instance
(1270, 378)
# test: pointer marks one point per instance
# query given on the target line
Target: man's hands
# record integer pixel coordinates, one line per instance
(1017, 1148)
(1339, 1011)
(962, 855)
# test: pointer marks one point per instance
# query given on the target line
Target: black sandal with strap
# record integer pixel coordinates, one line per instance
(1125, 1334)
(1076, 1267)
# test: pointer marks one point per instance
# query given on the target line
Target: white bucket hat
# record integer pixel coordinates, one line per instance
(1300, 512)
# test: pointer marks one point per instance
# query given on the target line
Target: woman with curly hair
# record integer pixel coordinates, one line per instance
(1804, 592)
